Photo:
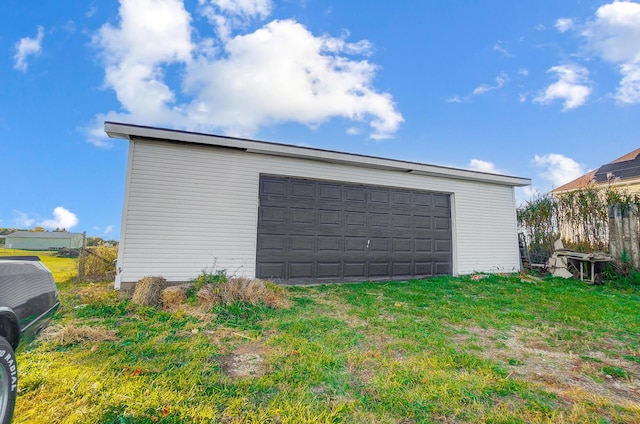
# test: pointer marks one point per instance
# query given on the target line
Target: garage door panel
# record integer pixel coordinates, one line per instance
(330, 193)
(441, 201)
(378, 197)
(421, 221)
(357, 195)
(379, 269)
(443, 268)
(272, 242)
(273, 188)
(442, 246)
(402, 269)
(400, 199)
(378, 220)
(441, 223)
(301, 270)
(423, 268)
(303, 243)
(312, 231)
(329, 217)
(355, 220)
(303, 216)
(304, 190)
(329, 270)
(379, 244)
(330, 244)
(402, 245)
(354, 269)
(355, 244)
(273, 215)
(401, 221)
(271, 270)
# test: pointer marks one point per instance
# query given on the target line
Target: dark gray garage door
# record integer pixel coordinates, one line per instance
(313, 231)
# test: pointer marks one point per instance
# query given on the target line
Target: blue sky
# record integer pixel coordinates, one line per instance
(543, 89)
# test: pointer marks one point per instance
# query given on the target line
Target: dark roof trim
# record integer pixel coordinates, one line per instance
(131, 132)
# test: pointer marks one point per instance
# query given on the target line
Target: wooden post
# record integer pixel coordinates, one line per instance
(81, 257)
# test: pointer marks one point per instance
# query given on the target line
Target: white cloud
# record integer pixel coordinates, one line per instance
(484, 166)
(571, 86)
(108, 229)
(498, 47)
(62, 218)
(558, 169)
(564, 24)
(614, 35)
(22, 220)
(526, 194)
(27, 47)
(454, 99)
(500, 80)
(231, 83)
(523, 72)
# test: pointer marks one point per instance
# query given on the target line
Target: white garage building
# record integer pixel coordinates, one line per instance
(297, 215)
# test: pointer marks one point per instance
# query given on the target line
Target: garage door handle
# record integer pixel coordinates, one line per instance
(368, 243)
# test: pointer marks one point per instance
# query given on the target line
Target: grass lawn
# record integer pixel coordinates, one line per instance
(63, 269)
(499, 349)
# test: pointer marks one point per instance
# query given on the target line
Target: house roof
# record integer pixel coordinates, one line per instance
(131, 132)
(44, 234)
(626, 167)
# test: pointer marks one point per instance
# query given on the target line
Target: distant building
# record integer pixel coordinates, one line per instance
(623, 172)
(31, 240)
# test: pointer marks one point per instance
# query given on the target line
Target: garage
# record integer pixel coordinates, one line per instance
(196, 202)
(314, 231)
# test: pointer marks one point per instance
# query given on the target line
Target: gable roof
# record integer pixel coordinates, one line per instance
(626, 167)
(131, 132)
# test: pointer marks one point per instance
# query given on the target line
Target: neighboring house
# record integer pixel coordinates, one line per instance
(623, 172)
(33, 240)
(197, 202)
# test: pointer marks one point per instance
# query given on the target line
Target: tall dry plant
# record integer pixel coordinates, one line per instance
(580, 217)
(99, 263)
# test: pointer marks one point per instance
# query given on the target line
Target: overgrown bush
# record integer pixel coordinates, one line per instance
(99, 263)
(580, 218)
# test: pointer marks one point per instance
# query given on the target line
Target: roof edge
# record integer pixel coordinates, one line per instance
(130, 131)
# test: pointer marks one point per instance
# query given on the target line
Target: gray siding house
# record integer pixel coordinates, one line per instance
(32, 240)
(196, 202)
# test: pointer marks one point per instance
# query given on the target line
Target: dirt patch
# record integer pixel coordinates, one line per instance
(340, 310)
(571, 375)
(246, 361)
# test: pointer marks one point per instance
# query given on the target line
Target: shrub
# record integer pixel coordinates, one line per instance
(99, 263)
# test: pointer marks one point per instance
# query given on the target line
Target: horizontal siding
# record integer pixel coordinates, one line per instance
(191, 208)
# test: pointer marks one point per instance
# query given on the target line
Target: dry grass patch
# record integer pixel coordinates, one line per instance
(95, 293)
(251, 291)
(72, 334)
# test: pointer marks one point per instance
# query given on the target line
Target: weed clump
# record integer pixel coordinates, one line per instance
(148, 291)
(217, 289)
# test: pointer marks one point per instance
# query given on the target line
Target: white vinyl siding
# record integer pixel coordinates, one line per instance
(191, 207)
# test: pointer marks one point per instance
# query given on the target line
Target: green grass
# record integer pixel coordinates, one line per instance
(497, 350)
(63, 269)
